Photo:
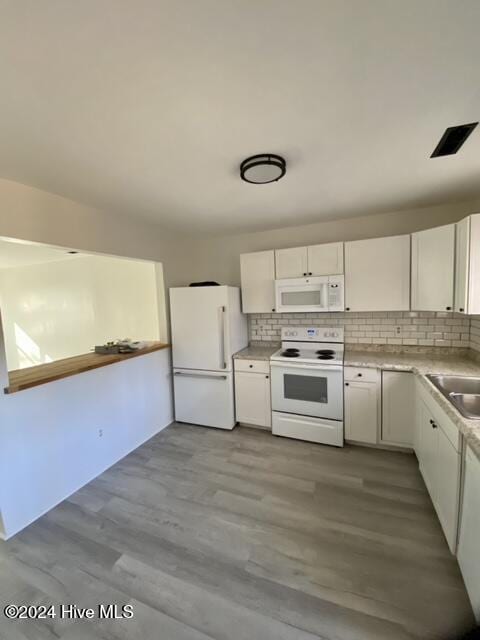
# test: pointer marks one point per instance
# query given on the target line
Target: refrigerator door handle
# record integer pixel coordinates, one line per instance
(222, 312)
(198, 375)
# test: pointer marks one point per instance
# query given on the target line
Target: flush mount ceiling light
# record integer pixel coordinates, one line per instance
(263, 168)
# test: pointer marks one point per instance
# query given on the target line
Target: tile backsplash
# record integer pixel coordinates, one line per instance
(475, 333)
(409, 328)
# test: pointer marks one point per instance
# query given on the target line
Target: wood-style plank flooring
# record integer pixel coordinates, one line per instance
(242, 536)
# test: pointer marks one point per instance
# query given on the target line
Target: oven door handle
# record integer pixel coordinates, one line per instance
(309, 367)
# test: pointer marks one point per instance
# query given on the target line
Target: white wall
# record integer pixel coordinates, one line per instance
(57, 437)
(61, 309)
(30, 214)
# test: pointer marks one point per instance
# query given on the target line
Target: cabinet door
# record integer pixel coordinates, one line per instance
(447, 477)
(428, 450)
(377, 274)
(325, 259)
(398, 409)
(361, 412)
(420, 408)
(462, 265)
(468, 556)
(257, 272)
(291, 263)
(433, 268)
(252, 397)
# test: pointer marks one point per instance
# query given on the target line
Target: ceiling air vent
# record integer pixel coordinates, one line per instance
(452, 139)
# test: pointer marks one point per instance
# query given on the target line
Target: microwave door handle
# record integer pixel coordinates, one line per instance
(326, 300)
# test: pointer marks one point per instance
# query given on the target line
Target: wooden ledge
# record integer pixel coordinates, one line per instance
(22, 379)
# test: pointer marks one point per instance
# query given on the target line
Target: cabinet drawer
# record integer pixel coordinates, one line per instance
(364, 374)
(254, 366)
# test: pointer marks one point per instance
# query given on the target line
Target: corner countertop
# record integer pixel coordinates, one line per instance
(256, 352)
(22, 379)
(421, 364)
(417, 362)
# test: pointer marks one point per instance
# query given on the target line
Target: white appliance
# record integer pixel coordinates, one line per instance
(319, 293)
(208, 327)
(307, 385)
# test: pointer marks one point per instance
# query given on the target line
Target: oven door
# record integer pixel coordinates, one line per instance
(308, 390)
(301, 294)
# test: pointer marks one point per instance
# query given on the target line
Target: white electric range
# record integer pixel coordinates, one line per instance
(307, 385)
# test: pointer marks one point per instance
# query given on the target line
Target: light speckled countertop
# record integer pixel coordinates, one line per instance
(256, 352)
(421, 364)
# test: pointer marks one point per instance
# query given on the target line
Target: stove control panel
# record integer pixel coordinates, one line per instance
(315, 334)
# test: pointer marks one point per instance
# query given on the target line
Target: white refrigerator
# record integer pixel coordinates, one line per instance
(208, 327)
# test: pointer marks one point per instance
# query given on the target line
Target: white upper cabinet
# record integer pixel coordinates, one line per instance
(462, 265)
(257, 272)
(467, 267)
(325, 259)
(377, 274)
(291, 263)
(433, 262)
(316, 260)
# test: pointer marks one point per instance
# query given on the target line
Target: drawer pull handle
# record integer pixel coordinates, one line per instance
(359, 375)
(347, 384)
(251, 366)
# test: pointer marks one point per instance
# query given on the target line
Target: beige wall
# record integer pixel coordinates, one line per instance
(31, 214)
(35, 215)
(217, 258)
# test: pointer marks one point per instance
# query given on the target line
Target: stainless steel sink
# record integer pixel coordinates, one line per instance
(467, 403)
(462, 391)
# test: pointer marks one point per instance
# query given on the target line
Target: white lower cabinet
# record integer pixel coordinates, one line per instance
(438, 448)
(252, 394)
(398, 413)
(361, 404)
(468, 556)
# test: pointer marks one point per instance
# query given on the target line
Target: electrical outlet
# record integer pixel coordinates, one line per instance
(398, 330)
(100, 433)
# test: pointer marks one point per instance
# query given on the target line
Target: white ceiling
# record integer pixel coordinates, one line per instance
(148, 107)
(22, 254)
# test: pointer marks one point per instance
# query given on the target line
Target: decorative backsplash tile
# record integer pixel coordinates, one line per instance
(409, 328)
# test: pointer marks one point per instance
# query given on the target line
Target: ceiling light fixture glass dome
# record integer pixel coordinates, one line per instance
(263, 168)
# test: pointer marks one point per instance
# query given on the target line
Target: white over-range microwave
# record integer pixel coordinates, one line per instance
(317, 293)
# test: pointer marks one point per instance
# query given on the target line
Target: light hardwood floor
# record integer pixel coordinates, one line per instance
(242, 536)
